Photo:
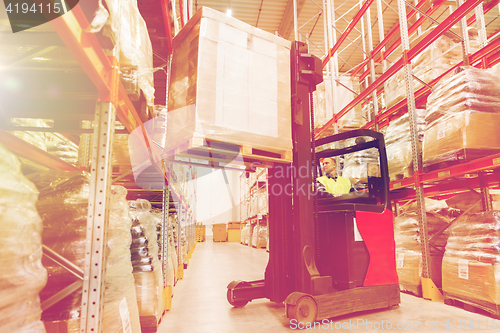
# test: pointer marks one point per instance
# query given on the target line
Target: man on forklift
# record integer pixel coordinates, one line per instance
(330, 182)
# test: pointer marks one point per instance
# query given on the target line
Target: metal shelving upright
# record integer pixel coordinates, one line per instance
(416, 187)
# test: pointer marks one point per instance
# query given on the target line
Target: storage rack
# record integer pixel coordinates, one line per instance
(251, 183)
(101, 71)
(439, 183)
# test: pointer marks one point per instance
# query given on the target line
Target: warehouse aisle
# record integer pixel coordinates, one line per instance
(199, 303)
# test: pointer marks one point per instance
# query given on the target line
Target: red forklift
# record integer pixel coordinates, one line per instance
(328, 255)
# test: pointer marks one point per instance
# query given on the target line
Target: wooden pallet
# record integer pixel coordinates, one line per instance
(473, 305)
(411, 289)
(216, 152)
(460, 156)
(399, 176)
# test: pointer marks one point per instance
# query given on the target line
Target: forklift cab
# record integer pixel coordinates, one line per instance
(347, 222)
(364, 165)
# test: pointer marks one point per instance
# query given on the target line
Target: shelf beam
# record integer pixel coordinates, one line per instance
(28, 151)
(408, 56)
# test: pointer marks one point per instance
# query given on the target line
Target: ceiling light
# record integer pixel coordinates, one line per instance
(229, 12)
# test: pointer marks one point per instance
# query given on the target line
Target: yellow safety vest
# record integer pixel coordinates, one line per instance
(340, 186)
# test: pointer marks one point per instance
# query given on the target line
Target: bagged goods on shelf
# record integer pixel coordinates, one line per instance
(62, 148)
(324, 108)
(463, 113)
(398, 144)
(63, 205)
(471, 261)
(409, 247)
(22, 275)
(119, 279)
(149, 284)
(230, 82)
(245, 234)
(136, 52)
(439, 57)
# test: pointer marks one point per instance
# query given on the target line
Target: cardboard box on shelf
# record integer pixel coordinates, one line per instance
(230, 83)
(466, 135)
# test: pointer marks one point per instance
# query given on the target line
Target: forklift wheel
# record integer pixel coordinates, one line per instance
(304, 311)
(236, 304)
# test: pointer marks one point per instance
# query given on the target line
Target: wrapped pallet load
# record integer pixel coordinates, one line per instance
(398, 145)
(136, 51)
(463, 114)
(63, 205)
(22, 275)
(409, 248)
(471, 265)
(440, 56)
(230, 82)
(148, 273)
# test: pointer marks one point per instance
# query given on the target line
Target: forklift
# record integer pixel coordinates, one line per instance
(328, 255)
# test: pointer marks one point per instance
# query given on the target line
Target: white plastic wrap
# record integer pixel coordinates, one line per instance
(136, 51)
(471, 261)
(119, 279)
(409, 247)
(230, 82)
(149, 285)
(62, 148)
(63, 205)
(398, 145)
(463, 113)
(22, 275)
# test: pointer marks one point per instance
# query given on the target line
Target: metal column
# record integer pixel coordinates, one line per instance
(417, 160)
(97, 219)
(164, 233)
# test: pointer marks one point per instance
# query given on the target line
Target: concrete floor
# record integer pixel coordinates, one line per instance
(199, 303)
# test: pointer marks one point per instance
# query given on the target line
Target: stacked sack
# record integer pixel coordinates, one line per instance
(463, 114)
(471, 269)
(22, 275)
(398, 145)
(149, 277)
(63, 205)
(440, 56)
(409, 247)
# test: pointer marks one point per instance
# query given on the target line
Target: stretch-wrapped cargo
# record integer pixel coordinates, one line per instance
(22, 275)
(63, 206)
(471, 267)
(463, 115)
(230, 82)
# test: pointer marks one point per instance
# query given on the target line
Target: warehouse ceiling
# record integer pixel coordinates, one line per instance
(276, 16)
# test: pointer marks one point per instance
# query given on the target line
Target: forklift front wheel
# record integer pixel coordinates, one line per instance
(304, 311)
(233, 302)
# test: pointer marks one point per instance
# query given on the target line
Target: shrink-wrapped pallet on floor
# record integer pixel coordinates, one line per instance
(471, 268)
(63, 205)
(462, 119)
(398, 145)
(230, 82)
(149, 277)
(22, 275)
(409, 247)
